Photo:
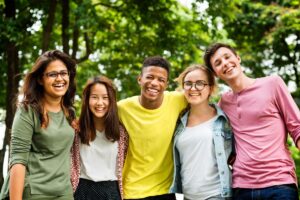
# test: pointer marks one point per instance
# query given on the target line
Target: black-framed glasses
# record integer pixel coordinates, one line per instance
(54, 74)
(199, 85)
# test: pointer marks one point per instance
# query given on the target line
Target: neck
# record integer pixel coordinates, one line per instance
(201, 109)
(148, 104)
(52, 104)
(240, 83)
(99, 124)
(200, 113)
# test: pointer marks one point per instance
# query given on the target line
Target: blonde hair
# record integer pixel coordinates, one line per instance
(210, 76)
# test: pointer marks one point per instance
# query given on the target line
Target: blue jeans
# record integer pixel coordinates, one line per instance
(277, 192)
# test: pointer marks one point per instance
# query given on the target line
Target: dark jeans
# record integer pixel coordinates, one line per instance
(277, 192)
(158, 197)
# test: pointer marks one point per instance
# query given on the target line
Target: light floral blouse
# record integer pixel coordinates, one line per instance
(75, 159)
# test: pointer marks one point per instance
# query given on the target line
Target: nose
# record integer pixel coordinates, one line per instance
(59, 76)
(100, 101)
(225, 62)
(154, 82)
(193, 87)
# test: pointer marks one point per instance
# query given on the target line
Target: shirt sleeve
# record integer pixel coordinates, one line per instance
(288, 108)
(21, 139)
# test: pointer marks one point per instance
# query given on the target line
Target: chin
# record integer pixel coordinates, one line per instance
(151, 98)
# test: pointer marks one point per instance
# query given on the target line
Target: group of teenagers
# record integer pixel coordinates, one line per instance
(158, 143)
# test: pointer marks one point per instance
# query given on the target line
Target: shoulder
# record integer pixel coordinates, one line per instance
(174, 96)
(227, 96)
(25, 110)
(122, 129)
(25, 116)
(272, 83)
(175, 99)
(273, 79)
(219, 111)
(128, 101)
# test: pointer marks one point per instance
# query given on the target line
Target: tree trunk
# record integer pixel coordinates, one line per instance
(12, 83)
(65, 25)
(75, 38)
(49, 25)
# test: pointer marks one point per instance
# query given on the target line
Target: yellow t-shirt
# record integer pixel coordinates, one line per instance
(148, 169)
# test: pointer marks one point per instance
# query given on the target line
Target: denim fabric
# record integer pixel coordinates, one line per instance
(277, 192)
(222, 139)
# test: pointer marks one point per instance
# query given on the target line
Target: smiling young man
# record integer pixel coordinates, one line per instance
(150, 120)
(261, 112)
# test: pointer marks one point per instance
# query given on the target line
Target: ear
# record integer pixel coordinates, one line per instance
(166, 85)
(139, 79)
(239, 58)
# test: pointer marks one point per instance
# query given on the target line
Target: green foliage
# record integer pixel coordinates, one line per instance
(120, 35)
(114, 37)
(267, 36)
(295, 155)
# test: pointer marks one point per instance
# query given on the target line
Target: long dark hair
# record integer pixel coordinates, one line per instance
(33, 91)
(111, 122)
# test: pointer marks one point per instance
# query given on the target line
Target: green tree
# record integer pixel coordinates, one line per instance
(105, 37)
(268, 36)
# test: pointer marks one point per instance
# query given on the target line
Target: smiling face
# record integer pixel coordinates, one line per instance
(193, 95)
(153, 82)
(226, 64)
(55, 80)
(98, 101)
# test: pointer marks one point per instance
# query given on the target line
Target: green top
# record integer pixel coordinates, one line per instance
(44, 151)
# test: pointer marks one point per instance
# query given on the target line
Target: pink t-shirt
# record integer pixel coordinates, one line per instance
(261, 116)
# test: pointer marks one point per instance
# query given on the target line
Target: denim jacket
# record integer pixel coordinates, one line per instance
(222, 140)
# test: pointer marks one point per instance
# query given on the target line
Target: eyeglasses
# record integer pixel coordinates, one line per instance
(199, 85)
(54, 74)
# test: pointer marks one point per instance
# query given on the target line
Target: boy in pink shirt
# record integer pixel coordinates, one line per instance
(261, 112)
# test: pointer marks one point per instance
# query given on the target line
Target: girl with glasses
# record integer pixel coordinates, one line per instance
(202, 141)
(42, 133)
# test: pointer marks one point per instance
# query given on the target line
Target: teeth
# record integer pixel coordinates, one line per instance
(152, 90)
(59, 85)
(228, 70)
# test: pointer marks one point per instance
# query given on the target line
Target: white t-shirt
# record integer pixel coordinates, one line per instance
(99, 159)
(199, 171)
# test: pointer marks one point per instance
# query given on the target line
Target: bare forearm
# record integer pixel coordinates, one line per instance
(17, 178)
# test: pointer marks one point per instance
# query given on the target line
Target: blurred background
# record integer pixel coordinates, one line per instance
(113, 37)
